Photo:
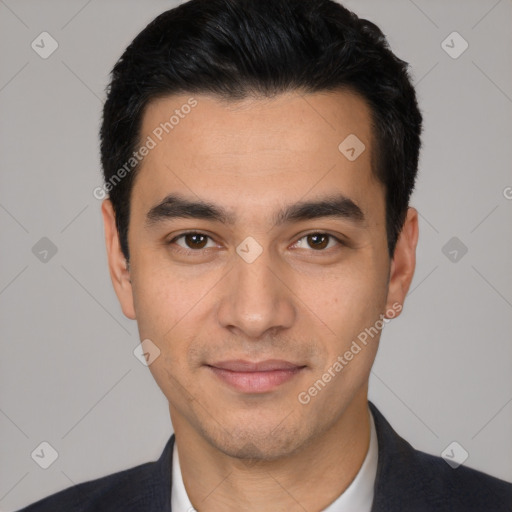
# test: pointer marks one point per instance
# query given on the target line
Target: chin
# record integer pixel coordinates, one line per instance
(261, 450)
(257, 442)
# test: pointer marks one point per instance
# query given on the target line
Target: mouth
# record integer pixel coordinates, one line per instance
(255, 377)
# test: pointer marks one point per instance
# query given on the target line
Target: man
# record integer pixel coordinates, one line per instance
(259, 157)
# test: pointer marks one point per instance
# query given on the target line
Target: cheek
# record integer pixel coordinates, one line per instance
(162, 297)
(347, 296)
(172, 311)
(153, 306)
(349, 307)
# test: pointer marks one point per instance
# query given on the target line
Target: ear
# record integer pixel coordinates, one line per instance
(404, 262)
(118, 266)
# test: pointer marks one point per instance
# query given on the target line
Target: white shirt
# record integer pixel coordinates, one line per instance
(357, 496)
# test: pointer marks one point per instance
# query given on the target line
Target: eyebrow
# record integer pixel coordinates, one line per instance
(175, 206)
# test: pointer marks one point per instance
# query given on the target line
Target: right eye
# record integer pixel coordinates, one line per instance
(193, 241)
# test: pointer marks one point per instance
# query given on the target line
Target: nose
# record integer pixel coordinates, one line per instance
(256, 300)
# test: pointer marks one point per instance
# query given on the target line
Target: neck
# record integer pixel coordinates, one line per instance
(309, 479)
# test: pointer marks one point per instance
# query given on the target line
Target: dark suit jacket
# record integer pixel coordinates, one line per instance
(407, 480)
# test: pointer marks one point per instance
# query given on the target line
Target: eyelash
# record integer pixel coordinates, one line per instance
(182, 250)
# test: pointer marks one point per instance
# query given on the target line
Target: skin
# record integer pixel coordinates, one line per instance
(296, 302)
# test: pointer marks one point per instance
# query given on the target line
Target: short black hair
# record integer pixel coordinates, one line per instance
(235, 49)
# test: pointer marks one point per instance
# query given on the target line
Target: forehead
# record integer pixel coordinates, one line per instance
(256, 151)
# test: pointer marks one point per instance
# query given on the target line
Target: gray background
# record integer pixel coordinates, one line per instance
(68, 373)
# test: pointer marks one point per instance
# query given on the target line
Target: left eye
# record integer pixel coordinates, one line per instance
(317, 241)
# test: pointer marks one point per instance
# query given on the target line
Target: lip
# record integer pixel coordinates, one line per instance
(255, 377)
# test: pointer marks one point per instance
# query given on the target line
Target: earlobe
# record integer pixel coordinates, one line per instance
(404, 261)
(118, 266)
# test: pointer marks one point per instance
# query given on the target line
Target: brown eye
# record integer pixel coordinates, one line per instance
(193, 241)
(318, 240)
(196, 240)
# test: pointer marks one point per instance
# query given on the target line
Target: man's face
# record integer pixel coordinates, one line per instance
(267, 281)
